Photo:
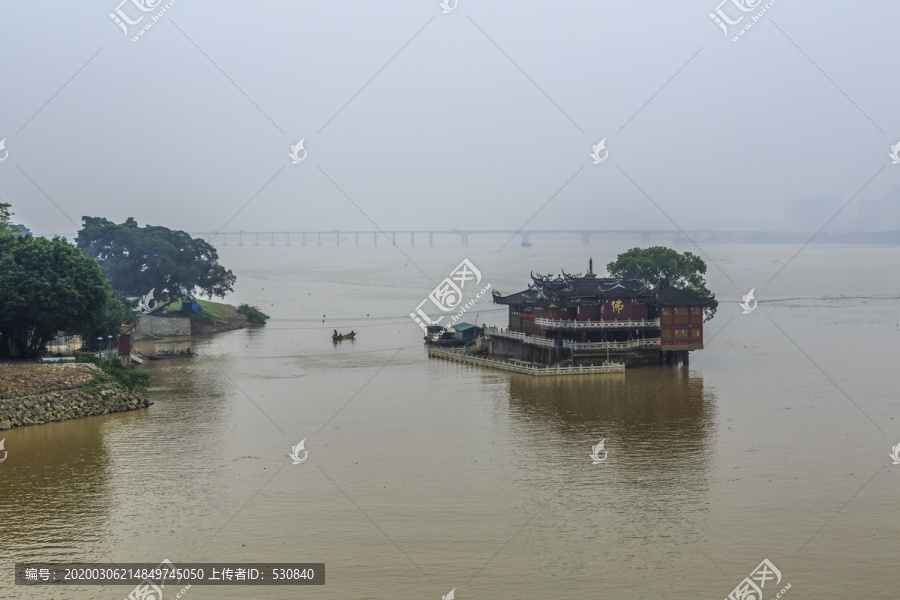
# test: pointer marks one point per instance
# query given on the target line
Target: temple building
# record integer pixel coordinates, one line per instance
(589, 320)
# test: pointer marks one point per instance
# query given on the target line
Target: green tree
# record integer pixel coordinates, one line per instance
(5, 216)
(137, 259)
(6, 223)
(660, 267)
(46, 286)
(115, 313)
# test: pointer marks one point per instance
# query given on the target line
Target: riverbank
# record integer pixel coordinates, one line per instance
(212, 317)
(34, 394)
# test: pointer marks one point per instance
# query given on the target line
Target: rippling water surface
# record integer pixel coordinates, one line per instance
(425, 476)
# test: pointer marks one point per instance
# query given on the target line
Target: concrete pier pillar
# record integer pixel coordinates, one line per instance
(412, 239)
(394, 238)
(288, 243)
(319, 242)
(686, 357)
(240, 238)
(256, 243)
(337, 235)
(526, 240)
(224, 239)
(376, 238)
(465, 239)
(430, 239)
(585, 238)
(357, 239)
(302, 239)
(273, 240)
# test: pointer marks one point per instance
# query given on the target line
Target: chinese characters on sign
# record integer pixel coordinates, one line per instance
(617, 306)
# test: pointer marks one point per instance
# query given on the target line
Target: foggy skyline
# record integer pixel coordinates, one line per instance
(476, 118)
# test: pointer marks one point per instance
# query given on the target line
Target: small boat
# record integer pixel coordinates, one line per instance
(170, 349)
(340, 337)
(166, 355)
(437, 335)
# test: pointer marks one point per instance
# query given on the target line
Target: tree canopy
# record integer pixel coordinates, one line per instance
(139, 259)
(47, 286)
(660, 267)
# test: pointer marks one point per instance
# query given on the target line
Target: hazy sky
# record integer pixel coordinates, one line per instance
(473, 118)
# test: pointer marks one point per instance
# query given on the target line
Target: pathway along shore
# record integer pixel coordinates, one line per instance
(34, 394)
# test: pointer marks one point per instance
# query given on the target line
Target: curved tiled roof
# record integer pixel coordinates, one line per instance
(570, 290)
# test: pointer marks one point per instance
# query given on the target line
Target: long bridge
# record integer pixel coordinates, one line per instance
(338, 237)
(396, 236)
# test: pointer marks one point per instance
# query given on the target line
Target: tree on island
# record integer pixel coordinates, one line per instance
(660, 267)
(139, 259)
(48, 286)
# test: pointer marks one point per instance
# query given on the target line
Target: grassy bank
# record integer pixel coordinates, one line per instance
(216, 317)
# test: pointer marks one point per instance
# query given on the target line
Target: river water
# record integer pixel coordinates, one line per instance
(424, 476)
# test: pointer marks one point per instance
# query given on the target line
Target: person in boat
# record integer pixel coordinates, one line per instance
(351, 332)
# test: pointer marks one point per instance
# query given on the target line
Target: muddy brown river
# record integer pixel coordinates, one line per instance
(425, 476)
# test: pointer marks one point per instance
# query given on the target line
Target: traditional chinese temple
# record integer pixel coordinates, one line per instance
(586, 320)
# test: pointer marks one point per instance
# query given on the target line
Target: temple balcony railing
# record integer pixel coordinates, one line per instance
(579, 325)
(626, 345)
(522, 337)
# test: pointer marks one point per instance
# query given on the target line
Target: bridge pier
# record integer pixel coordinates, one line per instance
(375, 238)
(357, 239)
(412, 239)
(645, 239)
(585, 239)
(288, 242)
(224, 239)
(240, 238)
(526, 240)
(464, 239)
(430, 239)
(303, 239)
(273, 240)
(394, 238)
(256, 243)
(319, 242)
(337, 235)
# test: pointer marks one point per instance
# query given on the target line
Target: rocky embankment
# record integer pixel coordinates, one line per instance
(33, 394)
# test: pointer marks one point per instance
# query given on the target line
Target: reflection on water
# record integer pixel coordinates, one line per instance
(658, 423)
(54, 487)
